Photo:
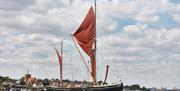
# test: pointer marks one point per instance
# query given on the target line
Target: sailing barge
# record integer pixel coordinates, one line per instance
(85, 37)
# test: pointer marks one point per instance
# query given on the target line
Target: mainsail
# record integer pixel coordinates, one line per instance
(85, 37)
(60, 62)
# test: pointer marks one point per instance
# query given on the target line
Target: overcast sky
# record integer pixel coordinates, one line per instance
(139, 39)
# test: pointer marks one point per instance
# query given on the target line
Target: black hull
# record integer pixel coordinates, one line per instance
(104, 88)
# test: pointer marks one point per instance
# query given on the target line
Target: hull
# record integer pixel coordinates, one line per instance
(24, 88)
(103, 88)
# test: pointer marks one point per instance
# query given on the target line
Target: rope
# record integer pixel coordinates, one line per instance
(81, 55)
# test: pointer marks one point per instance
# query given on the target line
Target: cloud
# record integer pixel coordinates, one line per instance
(176, 18)
(148, 18)
(139, 49)
(15, 5)
(176, 12)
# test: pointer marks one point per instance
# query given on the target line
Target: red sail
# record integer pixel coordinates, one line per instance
(60, 63)
(85, 35)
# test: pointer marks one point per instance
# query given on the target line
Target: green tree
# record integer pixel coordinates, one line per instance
(135, 87)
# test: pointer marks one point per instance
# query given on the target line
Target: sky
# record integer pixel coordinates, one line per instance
(138, 39)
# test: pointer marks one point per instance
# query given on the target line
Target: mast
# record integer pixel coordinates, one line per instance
(61, 61)
(107, 70)
(95, 48)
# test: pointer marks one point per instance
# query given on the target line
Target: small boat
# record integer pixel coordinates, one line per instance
(85, 37)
